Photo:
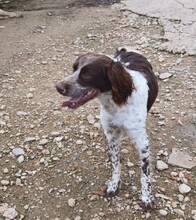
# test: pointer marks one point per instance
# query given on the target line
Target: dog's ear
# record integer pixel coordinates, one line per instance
(121, 83)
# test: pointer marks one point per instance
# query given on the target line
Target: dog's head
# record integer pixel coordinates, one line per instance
(94, 74)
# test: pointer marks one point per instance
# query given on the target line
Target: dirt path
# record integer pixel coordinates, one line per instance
(65, 155)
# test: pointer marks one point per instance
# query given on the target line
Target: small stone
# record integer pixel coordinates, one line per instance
(161, 123)
(5, 182)
(77, 218)
(18, 151)
(29, 95)
(193, 212)
(32, 89)
(44, 62)
(18, 182)
(10, 214)
(163, 212)
(124, 151)
(58, 139)
(174, 174)
(72, 202)
(3, 207)
(20, 159)
(60, 144)
(179, 212)
(29, 139)
(78, 142)
(6, 171)
(165, 75)
(26, 207)
(158, 195)
(91, 119)
(21, 113)
(97, 125)
(40, 147)
(42, 160)
(129, 164)
(187, 199)
(55, 134)
(43, 141)
(180, 198)
(161, 165)
(183, 188)
(94, 197)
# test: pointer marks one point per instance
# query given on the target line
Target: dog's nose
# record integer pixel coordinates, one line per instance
(60, 86)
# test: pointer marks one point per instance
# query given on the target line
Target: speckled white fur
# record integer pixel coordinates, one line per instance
(128, 120)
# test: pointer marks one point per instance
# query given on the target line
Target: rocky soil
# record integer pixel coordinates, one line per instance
(53, 159)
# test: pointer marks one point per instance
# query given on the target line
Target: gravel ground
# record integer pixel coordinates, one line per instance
(53, 159)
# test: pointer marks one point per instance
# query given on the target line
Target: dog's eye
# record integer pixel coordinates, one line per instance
(86, 76)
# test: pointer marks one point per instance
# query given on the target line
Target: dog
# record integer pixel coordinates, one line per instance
(126, 87)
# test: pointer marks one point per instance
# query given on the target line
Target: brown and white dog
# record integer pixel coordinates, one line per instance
(126, 87)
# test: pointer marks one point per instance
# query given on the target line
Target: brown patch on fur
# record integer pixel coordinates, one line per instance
(139, 63)
(121, 82)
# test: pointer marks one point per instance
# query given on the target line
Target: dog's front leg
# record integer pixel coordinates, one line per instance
(114, 137)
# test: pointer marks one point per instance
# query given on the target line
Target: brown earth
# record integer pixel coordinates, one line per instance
(39, 49)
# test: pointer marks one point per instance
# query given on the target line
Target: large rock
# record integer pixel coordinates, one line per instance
(177, 17)
(181, 159)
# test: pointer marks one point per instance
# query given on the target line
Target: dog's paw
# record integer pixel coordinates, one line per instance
(112, 189)
(148, 203)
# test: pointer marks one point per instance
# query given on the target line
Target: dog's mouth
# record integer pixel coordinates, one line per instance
(78, 100)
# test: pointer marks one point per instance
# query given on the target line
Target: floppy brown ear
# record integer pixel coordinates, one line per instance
(121, 82)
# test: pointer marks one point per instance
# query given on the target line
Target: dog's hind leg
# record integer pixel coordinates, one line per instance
(141, 139)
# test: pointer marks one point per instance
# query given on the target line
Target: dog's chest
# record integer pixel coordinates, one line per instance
(124, 118)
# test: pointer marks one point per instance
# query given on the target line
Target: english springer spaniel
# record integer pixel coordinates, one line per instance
(126, 87)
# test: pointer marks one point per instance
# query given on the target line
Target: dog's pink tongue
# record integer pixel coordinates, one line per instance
(69, 102)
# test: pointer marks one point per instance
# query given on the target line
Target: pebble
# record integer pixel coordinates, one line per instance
(78, 142)
(10, 214)
(180, 198)
(6, 171)
(20, 159)
(161, 123)
(43, 141)
(163, 212)
(18, 151)
(129, 164)
(179, 212)
(55, 134)
(165, 75)
(29, 95)
(5, 182)
(174, 174)
(124, 151)
(58, 139)
(29, 139)
(91, 119)
(21, 113)
(77, 218)
(72, 202)
(42, 160)
(3, 207)
(160, 165)
(193, 212)
(18, 182)
(97, 125)
(187, 199)
(181, 159)
(183, 188)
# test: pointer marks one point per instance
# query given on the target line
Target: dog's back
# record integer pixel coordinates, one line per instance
(137, 62)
